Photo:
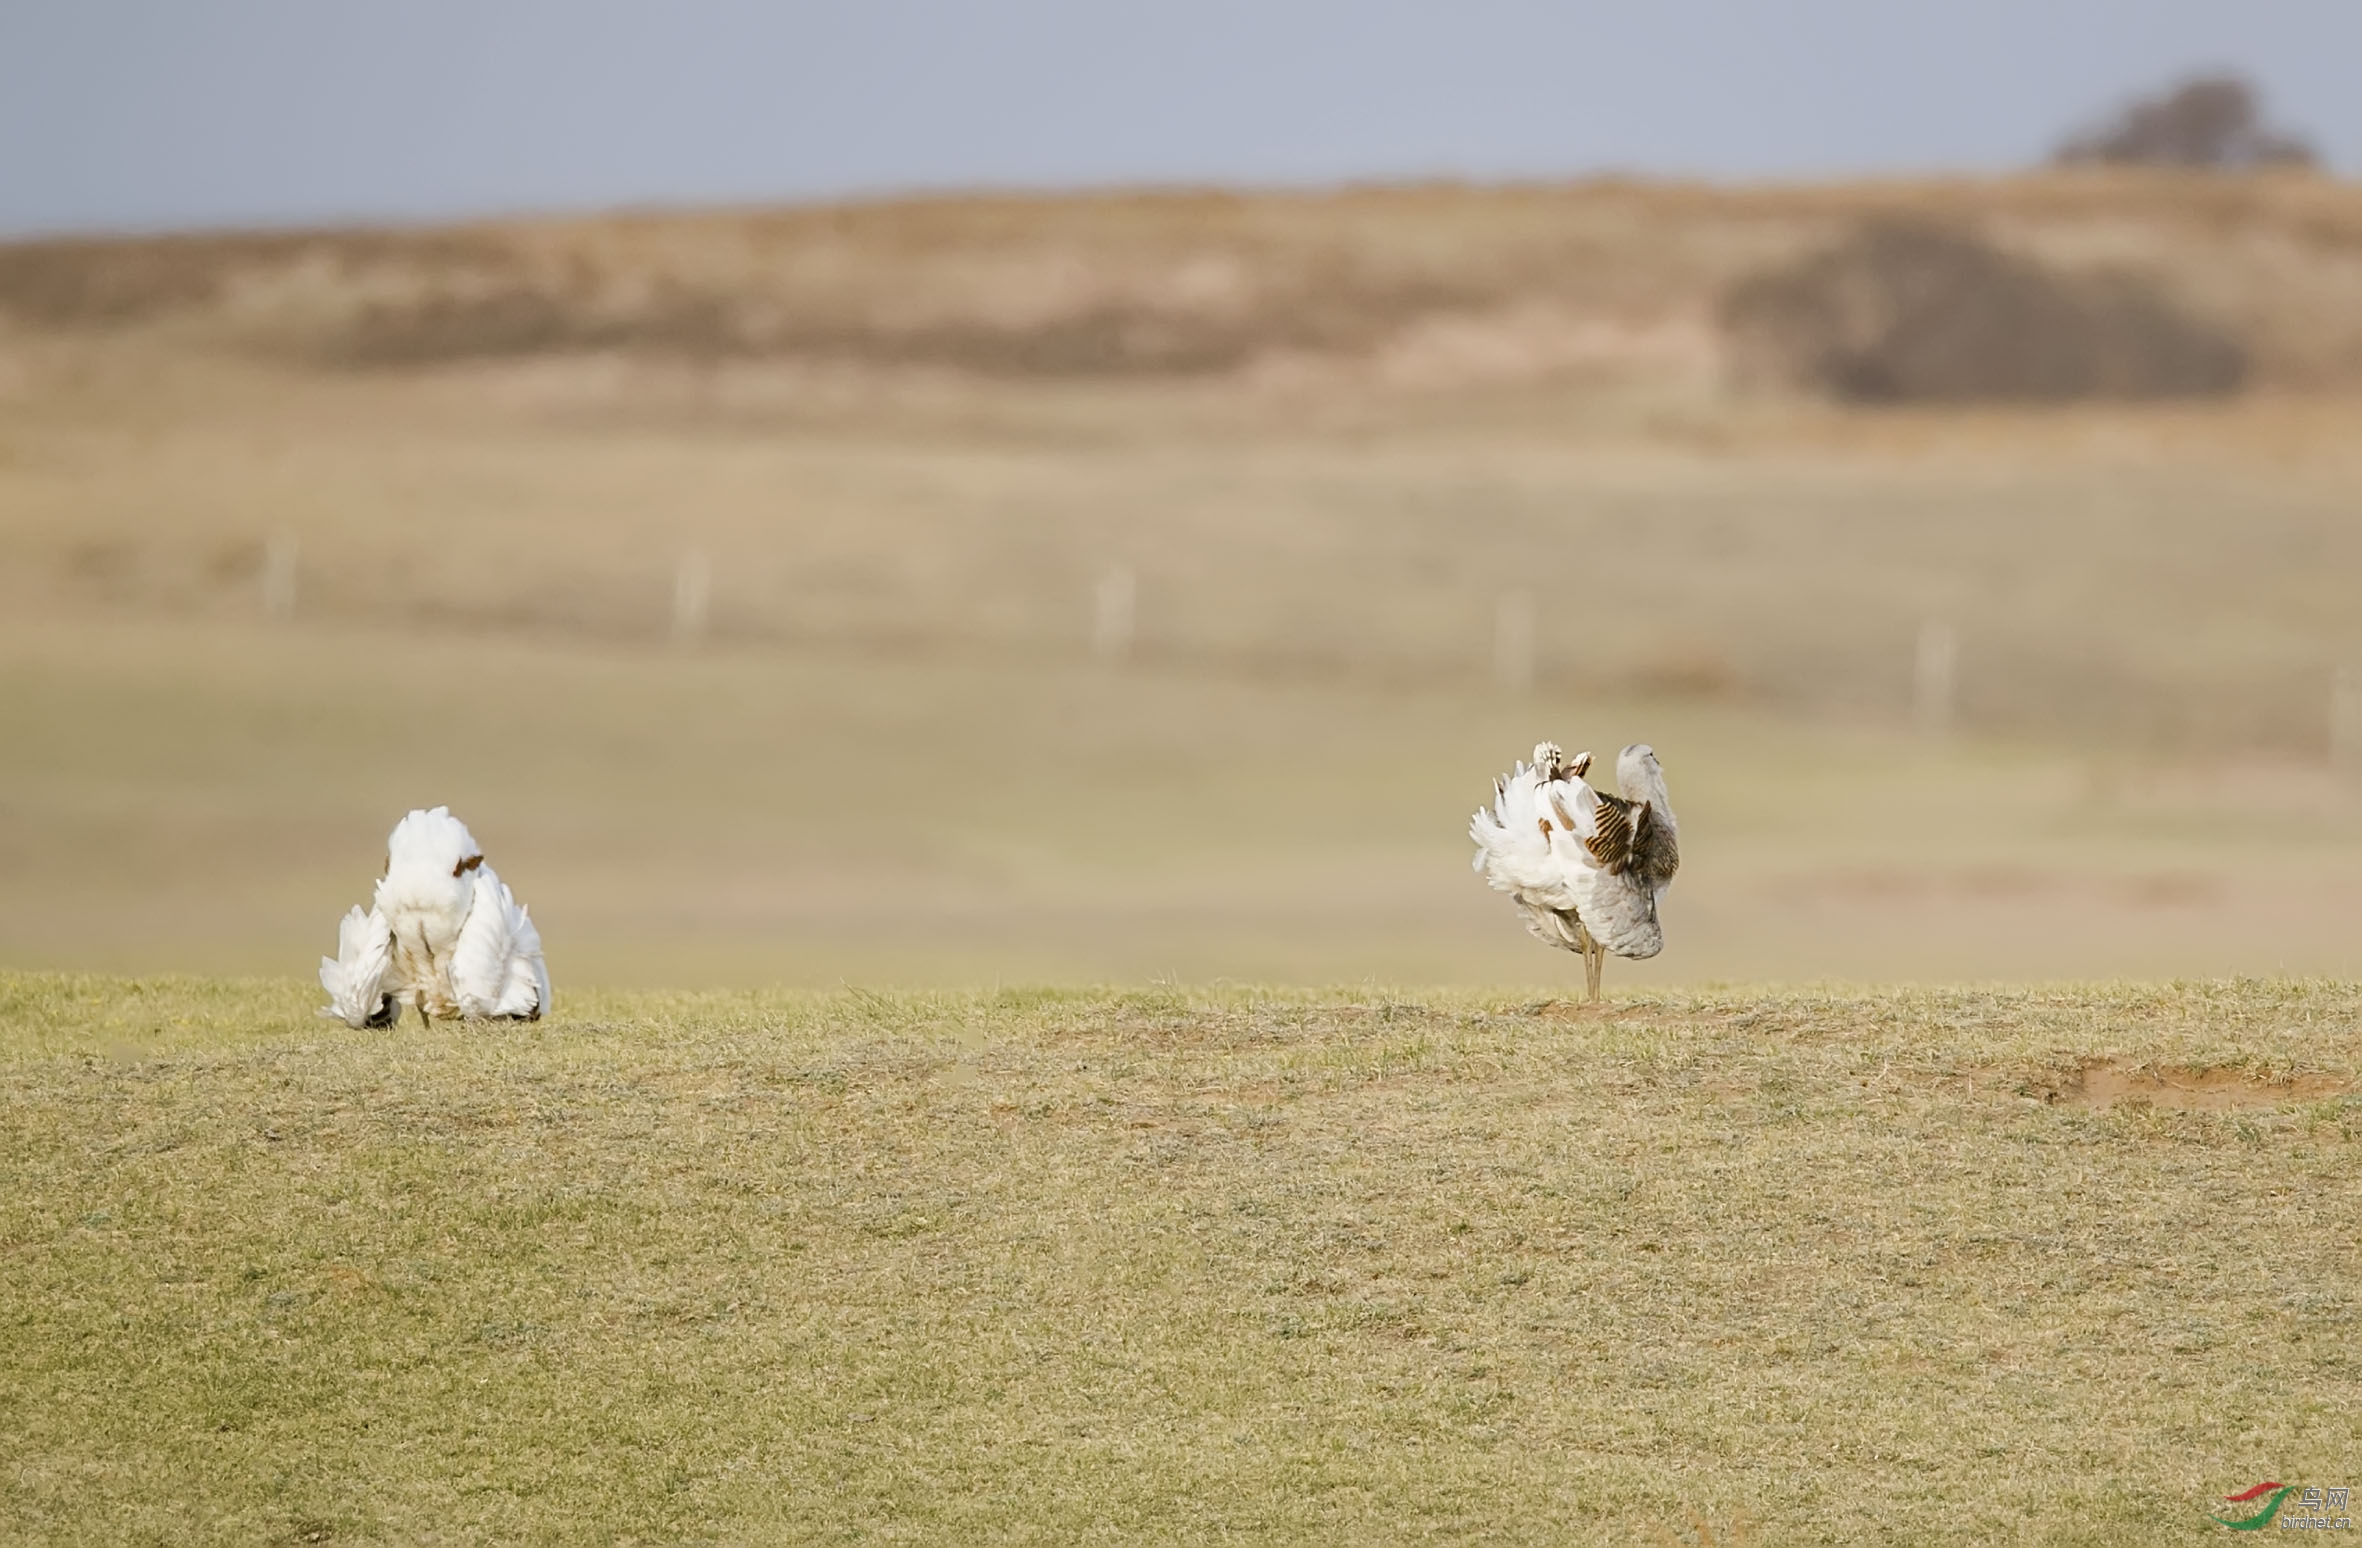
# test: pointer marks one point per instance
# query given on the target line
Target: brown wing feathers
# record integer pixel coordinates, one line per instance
(1656, 853)
(1610, 842)
(1625, 836)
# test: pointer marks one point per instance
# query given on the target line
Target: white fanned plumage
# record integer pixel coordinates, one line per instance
(1585, 869)
(445, 934)
(355, 976)
(496, 967)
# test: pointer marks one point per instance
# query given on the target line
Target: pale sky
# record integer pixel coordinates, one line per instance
(166, 113)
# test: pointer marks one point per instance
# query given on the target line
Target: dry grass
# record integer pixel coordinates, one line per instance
(1163, 1265)
(2151, 578)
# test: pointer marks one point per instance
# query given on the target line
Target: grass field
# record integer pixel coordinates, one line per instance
(1923, 1266)
(210, 796)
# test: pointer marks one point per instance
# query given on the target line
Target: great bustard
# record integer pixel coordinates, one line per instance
(444, 933)
(1584, 868)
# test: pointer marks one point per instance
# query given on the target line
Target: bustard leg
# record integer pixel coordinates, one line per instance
(1594, 957)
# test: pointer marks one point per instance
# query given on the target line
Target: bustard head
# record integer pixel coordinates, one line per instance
(1638, 778)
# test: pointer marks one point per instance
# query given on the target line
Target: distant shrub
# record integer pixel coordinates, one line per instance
(2208, 121)
(1906, 311)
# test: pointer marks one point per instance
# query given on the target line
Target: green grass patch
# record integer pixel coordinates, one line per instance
(1172, 1265)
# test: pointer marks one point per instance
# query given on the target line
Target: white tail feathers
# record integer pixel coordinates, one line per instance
(355, 976)
(1517, 843)
(496, 966)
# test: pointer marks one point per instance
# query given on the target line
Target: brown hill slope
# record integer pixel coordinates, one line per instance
(1416, 285)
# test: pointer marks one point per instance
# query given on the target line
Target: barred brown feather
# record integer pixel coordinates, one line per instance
(1610, 842)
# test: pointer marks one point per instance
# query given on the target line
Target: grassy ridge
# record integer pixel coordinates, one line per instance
(1396, 281)
(1069, 1266)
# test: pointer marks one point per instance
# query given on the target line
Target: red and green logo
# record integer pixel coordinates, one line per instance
(2279, 1493)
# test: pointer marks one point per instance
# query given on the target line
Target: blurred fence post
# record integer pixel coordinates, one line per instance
(692, 596)
(1934, 678)
(2345, 723)
(1114, 608)
(279, 558)
(1513, 641)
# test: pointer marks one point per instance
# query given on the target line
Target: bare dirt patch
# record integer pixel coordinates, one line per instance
(2108, 1082)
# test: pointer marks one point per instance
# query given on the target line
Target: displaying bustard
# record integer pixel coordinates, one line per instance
(443, 933)
(1584, 868)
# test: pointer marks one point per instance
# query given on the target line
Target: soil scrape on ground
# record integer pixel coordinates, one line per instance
(2107, 1082)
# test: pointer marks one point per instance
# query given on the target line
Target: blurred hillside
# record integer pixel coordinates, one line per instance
(1357, 434)
(1434, 286)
